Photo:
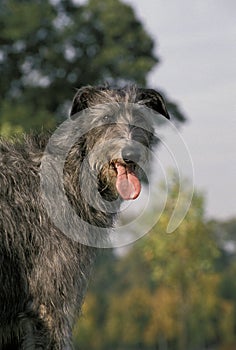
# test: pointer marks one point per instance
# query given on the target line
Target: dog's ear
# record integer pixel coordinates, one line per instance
(153, 99)
(82, 99)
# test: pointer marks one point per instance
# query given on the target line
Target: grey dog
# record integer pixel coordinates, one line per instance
(43, 268)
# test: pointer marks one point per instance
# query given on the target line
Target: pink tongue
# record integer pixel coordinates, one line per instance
(127, 183)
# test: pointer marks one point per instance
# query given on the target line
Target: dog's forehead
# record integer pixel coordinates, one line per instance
(122, 111)
(124, 102)
(113, 96)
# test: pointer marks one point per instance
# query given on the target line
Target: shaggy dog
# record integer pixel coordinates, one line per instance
(52, 221)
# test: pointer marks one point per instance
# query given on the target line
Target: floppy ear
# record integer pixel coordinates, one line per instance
(153, 99)
(82, 99)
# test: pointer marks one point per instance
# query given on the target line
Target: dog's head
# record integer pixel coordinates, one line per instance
(119, 136)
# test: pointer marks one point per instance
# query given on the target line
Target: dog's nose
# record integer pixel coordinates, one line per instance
(131, 154)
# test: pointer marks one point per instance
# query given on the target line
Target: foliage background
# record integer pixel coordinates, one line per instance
(168, 292)
(48, 49)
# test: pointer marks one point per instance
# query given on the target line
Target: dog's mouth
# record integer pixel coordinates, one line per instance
(127, 183)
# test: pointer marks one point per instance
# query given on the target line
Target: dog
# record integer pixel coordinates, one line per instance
(59, 195)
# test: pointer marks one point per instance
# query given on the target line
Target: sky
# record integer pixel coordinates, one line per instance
(196, 42)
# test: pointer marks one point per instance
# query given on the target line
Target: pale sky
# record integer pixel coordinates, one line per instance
(196, 41)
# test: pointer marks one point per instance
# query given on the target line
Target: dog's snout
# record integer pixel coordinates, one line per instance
(131, 154)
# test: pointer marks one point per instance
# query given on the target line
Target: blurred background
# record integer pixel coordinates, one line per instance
(165, 292)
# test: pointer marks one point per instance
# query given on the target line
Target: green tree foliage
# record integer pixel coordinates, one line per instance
(183, 263)
(49, 48)
(166, 293)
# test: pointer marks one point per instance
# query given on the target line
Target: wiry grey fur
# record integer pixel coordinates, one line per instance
(43, 271)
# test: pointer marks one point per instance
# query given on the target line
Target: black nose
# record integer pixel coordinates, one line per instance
(131, 154)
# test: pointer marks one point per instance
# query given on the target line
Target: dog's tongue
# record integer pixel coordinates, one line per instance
(127, 183)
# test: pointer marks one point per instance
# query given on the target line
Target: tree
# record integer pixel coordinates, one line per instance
(48, 48)
(183, 264)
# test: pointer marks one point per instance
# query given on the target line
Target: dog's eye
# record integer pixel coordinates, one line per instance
(108, 118)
